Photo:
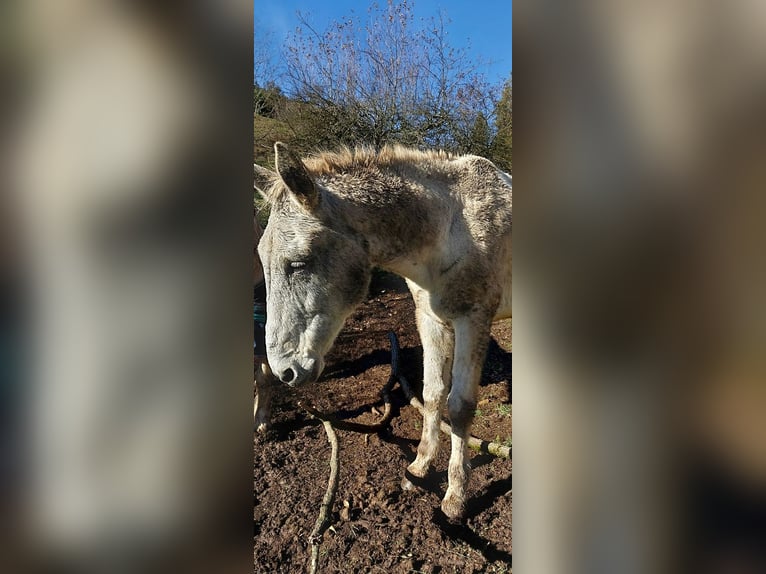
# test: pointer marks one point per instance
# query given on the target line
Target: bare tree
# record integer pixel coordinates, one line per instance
(391, 79)
(264, 66)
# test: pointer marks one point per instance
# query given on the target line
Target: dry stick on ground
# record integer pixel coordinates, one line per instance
(382, 424)
(323, 520)
(329, 421)
(474, 443)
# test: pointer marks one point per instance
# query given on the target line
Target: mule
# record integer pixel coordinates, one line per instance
(443, 222)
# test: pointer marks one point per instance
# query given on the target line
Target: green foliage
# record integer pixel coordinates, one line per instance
(507, 441)
(262, 209)
(480, 142)
(502, 148)
(266, 131)
(268, 101)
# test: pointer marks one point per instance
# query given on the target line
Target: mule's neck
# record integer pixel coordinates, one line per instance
(400, 227)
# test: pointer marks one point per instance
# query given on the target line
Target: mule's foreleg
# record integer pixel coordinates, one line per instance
(263, 389)
(471, 339)
(438, 347)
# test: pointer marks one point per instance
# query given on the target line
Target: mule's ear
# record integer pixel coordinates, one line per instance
(262, 180)
(295, 176)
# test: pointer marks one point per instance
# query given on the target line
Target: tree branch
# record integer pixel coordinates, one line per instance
(323, 520)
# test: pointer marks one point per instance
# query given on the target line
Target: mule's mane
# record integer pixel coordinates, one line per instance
(346, 159)
(359, 158)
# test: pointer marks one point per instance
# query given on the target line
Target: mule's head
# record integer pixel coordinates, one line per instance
(316, 269)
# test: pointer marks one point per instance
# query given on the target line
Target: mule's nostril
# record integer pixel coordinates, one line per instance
(287, 375)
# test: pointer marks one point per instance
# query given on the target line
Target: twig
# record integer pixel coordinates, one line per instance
(382, 424)
(323, 520)
(384, 421)
(328, 421)
(474, 443)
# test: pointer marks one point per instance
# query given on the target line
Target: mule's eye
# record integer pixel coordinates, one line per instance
(296, 265)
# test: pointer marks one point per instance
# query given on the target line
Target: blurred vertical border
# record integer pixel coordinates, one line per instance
(639, 332)
(125, 263)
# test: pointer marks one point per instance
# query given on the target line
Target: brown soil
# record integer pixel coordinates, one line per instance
(384, 529)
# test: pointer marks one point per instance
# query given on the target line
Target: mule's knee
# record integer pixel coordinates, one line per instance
(460, 410)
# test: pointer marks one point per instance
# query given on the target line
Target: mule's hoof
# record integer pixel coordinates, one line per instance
(418, 470)
(453, 508)
(407, 484)
(261, 428)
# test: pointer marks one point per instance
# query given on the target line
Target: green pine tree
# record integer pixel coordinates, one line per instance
(480, 141)
(502, 151)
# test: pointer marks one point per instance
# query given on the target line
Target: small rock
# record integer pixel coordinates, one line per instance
(345, 512)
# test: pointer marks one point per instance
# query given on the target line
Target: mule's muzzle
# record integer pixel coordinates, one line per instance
(300, 373)
(287, 375)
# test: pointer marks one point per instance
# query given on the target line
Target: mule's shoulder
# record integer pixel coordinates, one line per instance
(481, 167)
(482, 181)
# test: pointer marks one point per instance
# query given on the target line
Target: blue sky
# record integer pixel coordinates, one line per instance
(484, 25)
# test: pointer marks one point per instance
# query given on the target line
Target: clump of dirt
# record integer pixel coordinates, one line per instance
(378, 527)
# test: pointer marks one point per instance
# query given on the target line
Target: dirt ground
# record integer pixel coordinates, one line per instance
(377, 527)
